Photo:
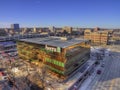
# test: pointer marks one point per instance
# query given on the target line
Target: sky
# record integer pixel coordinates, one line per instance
(75, 13)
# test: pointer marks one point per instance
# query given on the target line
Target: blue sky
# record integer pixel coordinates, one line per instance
(80, 13)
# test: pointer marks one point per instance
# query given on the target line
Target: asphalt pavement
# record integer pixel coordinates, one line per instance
(109, 79)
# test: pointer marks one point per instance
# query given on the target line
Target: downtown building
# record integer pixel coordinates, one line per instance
(97, 37)
(15, 26)
(61, 55)
(3, 32)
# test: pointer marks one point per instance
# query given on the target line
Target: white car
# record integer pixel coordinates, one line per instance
(3, 78)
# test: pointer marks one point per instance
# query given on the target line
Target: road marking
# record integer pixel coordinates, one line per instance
(111, 85)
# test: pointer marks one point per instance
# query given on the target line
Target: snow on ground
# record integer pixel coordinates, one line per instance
(87, 82)
(93, 76)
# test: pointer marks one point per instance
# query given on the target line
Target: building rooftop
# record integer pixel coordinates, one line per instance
(54, 41)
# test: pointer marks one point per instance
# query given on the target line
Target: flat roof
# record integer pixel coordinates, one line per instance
(54, 41)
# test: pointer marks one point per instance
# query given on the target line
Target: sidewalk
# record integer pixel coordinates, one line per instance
(93, 76)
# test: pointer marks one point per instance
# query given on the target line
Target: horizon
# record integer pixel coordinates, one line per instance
(45, 13)
(58, 27)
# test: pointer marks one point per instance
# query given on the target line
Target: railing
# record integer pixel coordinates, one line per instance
(71, 54)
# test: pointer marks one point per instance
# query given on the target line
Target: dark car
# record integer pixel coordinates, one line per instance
(102, 65)
(10, 83)
(97, 62)
(99, 71)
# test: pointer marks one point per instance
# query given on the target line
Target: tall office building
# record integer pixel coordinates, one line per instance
(15, 26)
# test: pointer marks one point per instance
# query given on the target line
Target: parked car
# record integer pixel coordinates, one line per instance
(99, 71)
(2, 73)
(5, 78)
(10, 83)
(103, 65)
(97, 62)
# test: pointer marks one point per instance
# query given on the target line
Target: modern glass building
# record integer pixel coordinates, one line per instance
(15, 26)
(61, 55)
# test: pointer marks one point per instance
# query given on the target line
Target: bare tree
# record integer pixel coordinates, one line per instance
(28, 79)
(41, 75)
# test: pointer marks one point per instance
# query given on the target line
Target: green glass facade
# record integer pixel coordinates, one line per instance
(64, 61)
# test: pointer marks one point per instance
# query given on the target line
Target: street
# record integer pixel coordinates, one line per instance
(109, 79)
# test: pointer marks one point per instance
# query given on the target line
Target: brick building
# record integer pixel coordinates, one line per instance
(97, 37)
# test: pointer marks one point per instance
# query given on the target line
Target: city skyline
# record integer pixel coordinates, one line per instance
(79, 13)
